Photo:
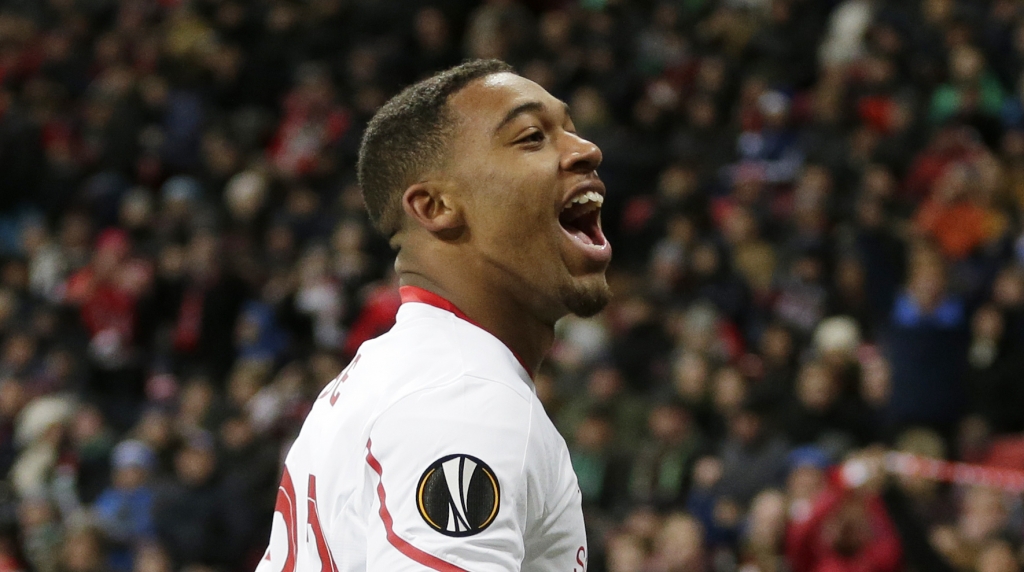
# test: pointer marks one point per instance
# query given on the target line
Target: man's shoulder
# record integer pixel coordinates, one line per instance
(463, 399)
(431, 348)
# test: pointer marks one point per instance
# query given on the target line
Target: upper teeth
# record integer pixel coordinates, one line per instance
(587, 197)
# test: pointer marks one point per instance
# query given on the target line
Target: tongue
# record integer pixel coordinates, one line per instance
(582, 222)
(579, 235)
(582, 227)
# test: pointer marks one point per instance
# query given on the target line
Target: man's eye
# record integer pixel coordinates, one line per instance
(534, 137)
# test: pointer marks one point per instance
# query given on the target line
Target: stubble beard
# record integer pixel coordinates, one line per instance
(586, 298)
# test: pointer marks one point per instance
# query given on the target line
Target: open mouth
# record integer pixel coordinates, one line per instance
(581, 219)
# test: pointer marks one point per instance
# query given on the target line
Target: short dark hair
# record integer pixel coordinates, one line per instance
(409, 135)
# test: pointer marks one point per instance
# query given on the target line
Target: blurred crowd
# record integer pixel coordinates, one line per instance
(816, 208)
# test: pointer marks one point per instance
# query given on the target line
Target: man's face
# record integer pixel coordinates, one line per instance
(531, 196)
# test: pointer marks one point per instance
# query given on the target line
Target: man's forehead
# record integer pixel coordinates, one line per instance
(508, 80)
(491, 97)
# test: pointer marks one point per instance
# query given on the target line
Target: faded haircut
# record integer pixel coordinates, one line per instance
(408, 136)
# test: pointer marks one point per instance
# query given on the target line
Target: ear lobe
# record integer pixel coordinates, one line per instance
(432, 208)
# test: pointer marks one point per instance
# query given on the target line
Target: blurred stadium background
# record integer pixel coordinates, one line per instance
(816, 211)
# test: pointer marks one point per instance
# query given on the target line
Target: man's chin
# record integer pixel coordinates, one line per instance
(587, 297)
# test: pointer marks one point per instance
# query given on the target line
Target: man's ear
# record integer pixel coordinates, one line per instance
(432, 207)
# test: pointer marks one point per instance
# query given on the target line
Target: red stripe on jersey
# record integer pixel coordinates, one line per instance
(417, 294)
(428, 560)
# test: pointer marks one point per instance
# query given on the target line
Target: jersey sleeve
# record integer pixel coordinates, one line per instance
(446, 466)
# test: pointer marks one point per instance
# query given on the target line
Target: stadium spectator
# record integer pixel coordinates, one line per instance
(125, 510)
(927, 348)
(188, 511)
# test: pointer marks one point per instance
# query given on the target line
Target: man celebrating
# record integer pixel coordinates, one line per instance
(431, 450)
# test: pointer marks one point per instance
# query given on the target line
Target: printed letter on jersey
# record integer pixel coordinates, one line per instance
(458, 495)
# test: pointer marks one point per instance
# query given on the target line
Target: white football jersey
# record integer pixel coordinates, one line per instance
(430, 451)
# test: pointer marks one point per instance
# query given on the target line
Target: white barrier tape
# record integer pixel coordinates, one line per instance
(910, 465)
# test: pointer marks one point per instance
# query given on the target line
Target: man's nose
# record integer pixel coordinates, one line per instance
(582, 156)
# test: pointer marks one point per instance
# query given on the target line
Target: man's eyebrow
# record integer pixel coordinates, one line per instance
(528, 107)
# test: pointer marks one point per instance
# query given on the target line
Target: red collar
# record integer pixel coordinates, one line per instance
(417, 294)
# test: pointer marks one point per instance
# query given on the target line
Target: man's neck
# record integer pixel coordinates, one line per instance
(496, 312)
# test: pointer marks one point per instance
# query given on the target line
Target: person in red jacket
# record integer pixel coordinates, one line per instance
(106, 293)
(848, 529)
